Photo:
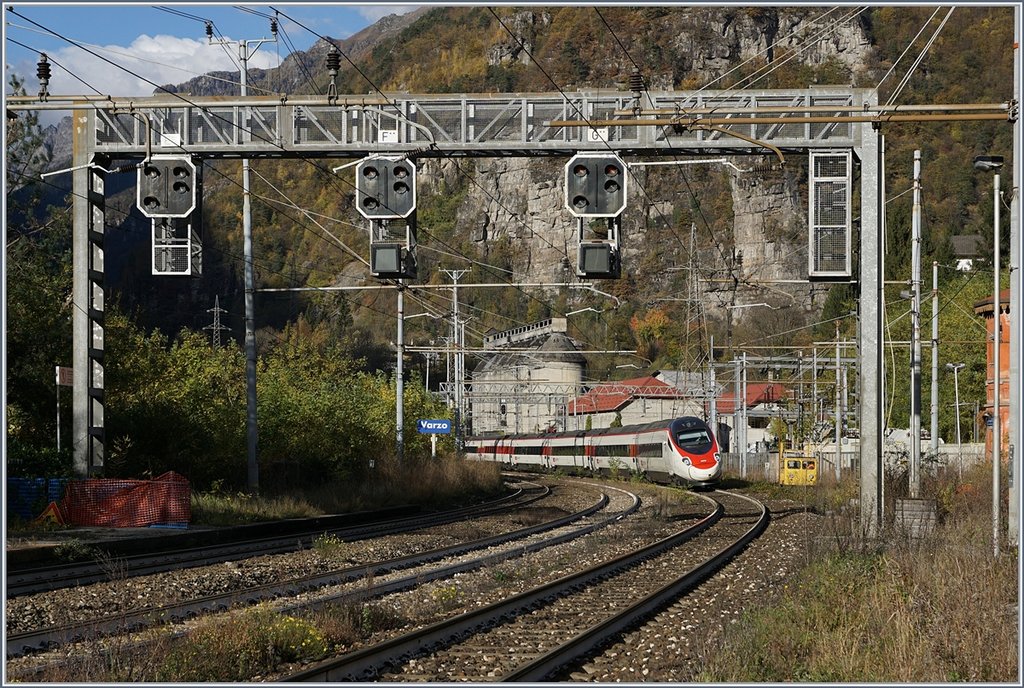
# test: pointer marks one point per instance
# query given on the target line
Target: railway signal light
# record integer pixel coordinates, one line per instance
(166, 187)
(392, 260)
(595, 185)
(385, 188)
(599, 260)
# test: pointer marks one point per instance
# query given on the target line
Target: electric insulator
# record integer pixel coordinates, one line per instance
(333, 61)
(209, 31)
(43, 74)
(636, 81)
(273, 26)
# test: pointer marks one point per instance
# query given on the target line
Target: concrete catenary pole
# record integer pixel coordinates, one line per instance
(253, 466)
(457, 331)
(935, 359)
(839, 411)
(400, 376)
(253, 481)
(712, 396)
(1013, 522)
(996, 370)
(744, 422)
(915, 335)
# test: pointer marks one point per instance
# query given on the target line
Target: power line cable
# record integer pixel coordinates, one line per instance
(458, 167)
(906, 77)
(58, 64)
(216, 115)
(906, 50)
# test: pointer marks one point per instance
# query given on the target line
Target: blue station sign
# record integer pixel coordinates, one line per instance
(434, 427)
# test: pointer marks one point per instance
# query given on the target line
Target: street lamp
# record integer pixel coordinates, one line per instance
(955, 367)
(992, 163)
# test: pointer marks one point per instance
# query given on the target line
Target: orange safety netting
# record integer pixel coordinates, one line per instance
(127, 503)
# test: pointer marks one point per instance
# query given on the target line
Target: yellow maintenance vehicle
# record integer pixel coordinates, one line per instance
(797, 466)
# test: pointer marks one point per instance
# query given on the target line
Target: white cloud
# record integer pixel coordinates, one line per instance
(148, 60)
(374, 12)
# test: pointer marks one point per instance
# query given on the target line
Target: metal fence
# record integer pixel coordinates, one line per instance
(765, 465)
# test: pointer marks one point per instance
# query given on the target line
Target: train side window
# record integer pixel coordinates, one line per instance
(793, 465)
(649, 450)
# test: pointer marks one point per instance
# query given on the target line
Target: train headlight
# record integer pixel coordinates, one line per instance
(718, 457)
(686, 461)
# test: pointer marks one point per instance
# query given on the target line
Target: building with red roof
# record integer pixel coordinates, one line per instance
(636, 400)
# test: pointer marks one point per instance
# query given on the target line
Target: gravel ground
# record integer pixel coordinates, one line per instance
(671, 647)
(667, 649)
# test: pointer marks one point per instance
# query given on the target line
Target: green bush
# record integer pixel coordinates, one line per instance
(238, 649)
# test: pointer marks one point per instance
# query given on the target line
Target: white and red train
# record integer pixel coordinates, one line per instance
(683, 450)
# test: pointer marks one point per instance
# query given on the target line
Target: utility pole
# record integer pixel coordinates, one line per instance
(458, 334)
(935, 360)
(253, 478)
(744, 424)
(736, 415)
(814, 389)
(713, 401)
(1013, 517)
(400, 376)
(216, 327)
(915, 335)
(839, 411)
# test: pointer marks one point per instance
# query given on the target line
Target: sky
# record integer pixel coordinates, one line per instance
(158, 45)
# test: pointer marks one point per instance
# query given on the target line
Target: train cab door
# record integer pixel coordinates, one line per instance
(810, 467)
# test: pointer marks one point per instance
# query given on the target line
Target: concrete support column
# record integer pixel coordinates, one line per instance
(88, 434)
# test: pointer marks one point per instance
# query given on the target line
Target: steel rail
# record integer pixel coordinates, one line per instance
(367, 662)
(546, 666)
(22, 643)
(43, 579)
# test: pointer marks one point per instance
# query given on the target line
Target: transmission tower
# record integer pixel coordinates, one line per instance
(215, 326)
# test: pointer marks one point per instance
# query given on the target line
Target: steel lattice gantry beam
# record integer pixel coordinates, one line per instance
(484, 125)
(493, 125)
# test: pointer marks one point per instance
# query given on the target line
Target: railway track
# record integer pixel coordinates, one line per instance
(35, 580)
(545, 631)
(491, 550)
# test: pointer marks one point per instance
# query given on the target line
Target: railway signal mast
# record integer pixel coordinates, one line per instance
(595, 187)
(386, 190)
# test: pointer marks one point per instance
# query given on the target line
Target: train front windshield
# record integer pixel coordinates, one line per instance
(697, 440)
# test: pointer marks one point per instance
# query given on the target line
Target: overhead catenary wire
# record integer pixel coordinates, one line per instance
(58, 64)
(186, 100)
(906, 77)
(700, 315)
(767, 69)
(333, 177)
(237, 182)
(376, 88)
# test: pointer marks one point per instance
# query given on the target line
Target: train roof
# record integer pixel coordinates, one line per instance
(600, 432)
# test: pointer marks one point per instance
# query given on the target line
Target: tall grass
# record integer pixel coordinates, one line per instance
(431, 483)
(938, 608)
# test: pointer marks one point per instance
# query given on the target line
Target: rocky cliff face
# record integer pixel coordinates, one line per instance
(765, 220)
